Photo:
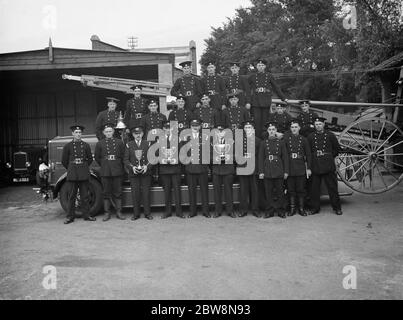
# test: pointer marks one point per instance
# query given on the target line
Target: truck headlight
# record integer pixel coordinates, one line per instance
(8, 165)
(27, 164)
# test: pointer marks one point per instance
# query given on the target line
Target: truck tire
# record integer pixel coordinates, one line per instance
(95, 197)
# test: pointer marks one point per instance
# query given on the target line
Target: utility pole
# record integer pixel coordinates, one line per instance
(132, 42)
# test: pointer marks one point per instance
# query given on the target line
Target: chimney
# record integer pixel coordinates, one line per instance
(193, 57)
(95, 42)
(50, 51)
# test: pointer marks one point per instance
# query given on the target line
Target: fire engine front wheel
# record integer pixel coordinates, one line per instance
(94, 196)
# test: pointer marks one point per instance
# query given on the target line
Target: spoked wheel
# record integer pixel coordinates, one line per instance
(367, 162)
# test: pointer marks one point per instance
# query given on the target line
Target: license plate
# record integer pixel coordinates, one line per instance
(20, 179)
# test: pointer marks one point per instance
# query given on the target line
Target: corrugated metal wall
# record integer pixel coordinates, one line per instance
(8, 128)
(34, 118)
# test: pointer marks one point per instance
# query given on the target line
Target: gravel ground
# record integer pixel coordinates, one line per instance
(199, 258)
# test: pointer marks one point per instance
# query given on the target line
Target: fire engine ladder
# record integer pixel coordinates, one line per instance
(119, 84)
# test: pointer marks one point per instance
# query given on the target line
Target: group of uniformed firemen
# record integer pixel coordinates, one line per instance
(221, 126)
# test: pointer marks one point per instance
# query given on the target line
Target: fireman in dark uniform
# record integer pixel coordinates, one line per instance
(248, 179)
(306, 118)
(170, 171)
(181, 114)
(136, 108)
(111, 115)
(324, 147)
(207, 114)
(235, 114)
(299, 154)
(109, 154)
(223, 169)
(239, 85)
(76, 158)
(152, 120)
(213, 85)
(282, 118)
(188, 86)
(262, 84)
(139, 169)
(196, 167)
(274, 169)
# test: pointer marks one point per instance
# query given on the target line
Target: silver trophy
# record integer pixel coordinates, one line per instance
(222, 149)
(169, 155)
(139, 155)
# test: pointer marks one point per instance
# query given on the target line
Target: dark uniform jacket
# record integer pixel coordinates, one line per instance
(239, 84)
(190, 87)
(103, 118)
(76, 158)
(152, 121)
(299, 153)
(235, 116)
(283, 121)
(214, 87)
(166, 167)
(262, 85)
(226, 167)
(273, 158)
(130, 159)
(208, 116)
(324, 147)
(136, 108)
(196, 165)
(307, 122)
(255, 144)
(109, 154)
(183, 116)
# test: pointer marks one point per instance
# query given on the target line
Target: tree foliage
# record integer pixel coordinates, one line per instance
(308, 48)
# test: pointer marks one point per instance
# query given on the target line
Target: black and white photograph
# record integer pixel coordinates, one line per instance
(200, 156)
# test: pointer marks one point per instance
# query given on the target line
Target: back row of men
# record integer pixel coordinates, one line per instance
(304, 150)
(254, 93)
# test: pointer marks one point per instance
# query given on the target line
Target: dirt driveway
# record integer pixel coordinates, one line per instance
(200, 258)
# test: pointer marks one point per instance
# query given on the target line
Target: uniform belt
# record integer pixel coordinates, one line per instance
(272, 157)
(182, 125)
(237, 90)
(169, 161)
(110, 157)
(212, 92)
(295, 156)
(320, 153)
(262, 90)
(77, 161)
(188, 93)
(138, 115)
(247, 155)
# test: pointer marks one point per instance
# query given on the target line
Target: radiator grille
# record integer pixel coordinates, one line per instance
(20, 158)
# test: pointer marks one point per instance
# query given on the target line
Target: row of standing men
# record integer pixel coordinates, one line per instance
(282, 156)
(254, 93)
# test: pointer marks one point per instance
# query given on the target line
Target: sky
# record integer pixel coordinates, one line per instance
(27, 24)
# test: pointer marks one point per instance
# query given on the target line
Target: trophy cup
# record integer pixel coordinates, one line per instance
(168, 155)
(120, 127)
(222, 150)
(138, 154)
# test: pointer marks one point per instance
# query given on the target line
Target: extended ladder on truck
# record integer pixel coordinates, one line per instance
(119, 84)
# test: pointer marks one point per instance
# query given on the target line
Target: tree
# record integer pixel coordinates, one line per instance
(307, 47)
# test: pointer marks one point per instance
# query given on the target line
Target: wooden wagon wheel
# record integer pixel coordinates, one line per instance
(367, 160)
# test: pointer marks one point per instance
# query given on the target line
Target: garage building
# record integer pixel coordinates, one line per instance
(37, 104)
